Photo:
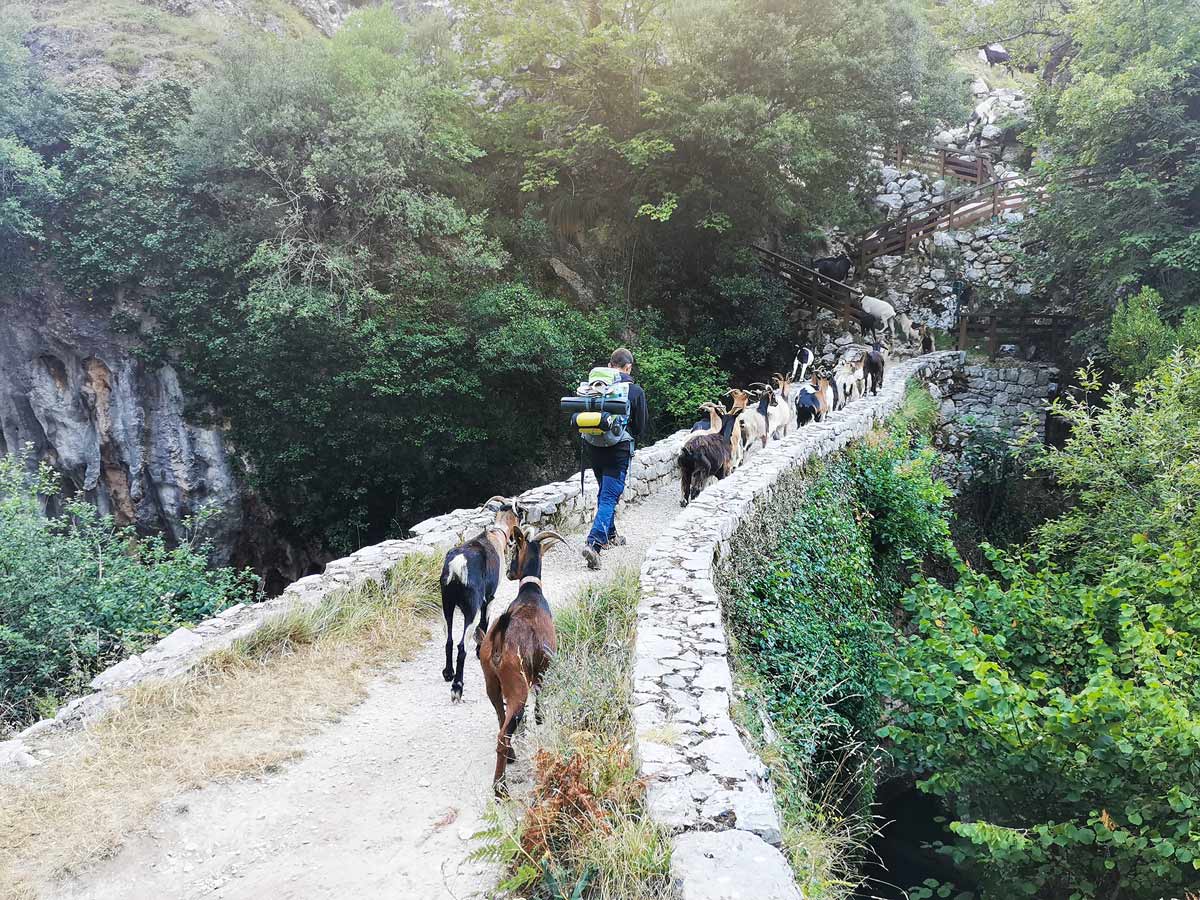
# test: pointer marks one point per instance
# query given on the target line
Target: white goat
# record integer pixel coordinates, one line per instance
(848, 378)
(908, 329)
(781, 415)
(883, 312)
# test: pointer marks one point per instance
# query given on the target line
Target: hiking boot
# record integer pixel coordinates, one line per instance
(617, 540)
(591, 556)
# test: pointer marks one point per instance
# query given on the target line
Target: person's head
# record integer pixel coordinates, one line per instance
(621, 359)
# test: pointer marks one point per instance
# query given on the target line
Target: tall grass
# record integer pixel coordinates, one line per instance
(584, 832)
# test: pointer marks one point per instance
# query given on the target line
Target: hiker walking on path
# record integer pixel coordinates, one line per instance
(610, 464)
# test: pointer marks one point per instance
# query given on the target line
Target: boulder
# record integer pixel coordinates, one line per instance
(890, 201)
(573, 280)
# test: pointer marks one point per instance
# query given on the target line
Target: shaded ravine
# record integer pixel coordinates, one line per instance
(383, 802)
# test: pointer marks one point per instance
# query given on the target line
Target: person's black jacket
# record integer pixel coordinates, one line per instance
(638, 412)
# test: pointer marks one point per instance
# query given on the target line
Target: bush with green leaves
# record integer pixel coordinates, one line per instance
(1049, 698)
(676, 383)
(79, 593)
(812, 621)
(1059, 721)
(1128, 464)
(1139, 339)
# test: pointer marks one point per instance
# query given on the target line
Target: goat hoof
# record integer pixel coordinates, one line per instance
(683, 503)
(456, 694)
(448, 674)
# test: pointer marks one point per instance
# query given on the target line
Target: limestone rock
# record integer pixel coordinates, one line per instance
(730, 865)
(573, 280)
(115, 427)
(14, 755)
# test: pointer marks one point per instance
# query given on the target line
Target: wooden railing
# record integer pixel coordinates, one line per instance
(964, 209)
(996, 327)
(974, 168)
(814, 288)
(960, 210)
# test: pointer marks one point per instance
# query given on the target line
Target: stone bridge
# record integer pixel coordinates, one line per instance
(703, 782)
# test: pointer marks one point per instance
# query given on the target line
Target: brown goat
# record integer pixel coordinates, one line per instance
(517, 650)
(706, 456)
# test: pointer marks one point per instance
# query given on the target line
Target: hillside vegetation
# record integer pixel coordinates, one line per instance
(343, 243)
(1046, 698)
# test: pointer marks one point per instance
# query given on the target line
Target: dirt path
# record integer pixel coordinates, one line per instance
(382, 803)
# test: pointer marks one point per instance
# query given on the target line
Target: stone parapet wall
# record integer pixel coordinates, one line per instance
(1001, 397)
(560, 503)
(703, 783)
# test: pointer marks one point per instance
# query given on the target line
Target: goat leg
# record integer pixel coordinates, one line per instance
(456, 689)
(448, 672)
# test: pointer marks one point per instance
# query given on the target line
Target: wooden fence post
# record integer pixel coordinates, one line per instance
(993, 337)
(962, 332)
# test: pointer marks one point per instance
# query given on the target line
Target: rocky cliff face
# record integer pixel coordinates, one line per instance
(114, 427)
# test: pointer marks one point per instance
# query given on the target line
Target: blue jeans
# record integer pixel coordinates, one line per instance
(610, 465)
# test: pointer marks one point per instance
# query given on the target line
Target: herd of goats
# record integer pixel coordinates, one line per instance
(717, 447)
(515, 651)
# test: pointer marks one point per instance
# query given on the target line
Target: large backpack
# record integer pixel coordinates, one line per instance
(600, 407)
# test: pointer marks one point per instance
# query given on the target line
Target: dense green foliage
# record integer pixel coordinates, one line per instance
(1050, 699)
(78, 593)
(812, 622)
(1122, 101)
(1060, 720)
(1129, 465)
(345, 251)
(1139, 339)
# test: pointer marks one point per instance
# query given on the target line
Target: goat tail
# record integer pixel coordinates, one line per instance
(498, 632)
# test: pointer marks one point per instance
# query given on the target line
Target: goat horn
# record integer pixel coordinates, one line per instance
(504, 501)
(552, 535)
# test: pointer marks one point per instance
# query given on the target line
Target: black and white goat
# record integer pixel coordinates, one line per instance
(705, 456)
(804, 359)
(470, 576)
(808, 403)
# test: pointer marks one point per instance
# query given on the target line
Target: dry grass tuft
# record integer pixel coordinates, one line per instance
(240, 715)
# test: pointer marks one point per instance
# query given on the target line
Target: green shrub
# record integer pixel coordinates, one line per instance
(1050, 701)
(78, 593)
(811, 622)
(1129, 465)
(1138, 338)
(676, 383)
(1060, 722)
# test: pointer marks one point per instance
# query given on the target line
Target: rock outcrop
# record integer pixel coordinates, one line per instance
(115, 427)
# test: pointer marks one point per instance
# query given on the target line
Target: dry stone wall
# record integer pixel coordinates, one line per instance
(703, 783)
(1002, 397)
(559, 503)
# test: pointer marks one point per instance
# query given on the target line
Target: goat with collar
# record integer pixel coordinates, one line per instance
(470, 576)
(517, 650)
